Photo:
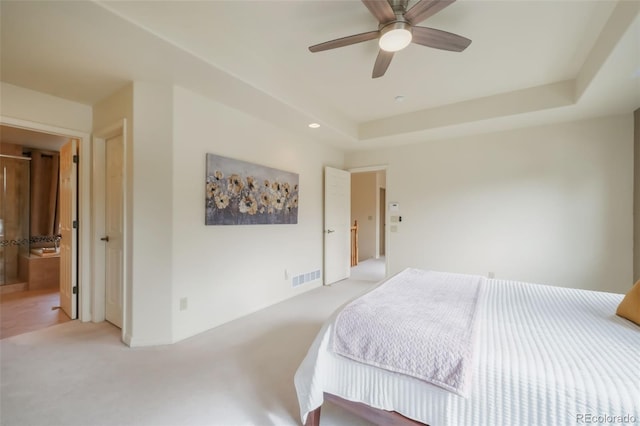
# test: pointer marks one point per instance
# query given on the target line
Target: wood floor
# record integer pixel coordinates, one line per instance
(24, 311)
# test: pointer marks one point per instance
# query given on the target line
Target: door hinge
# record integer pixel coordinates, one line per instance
(75, 290)
(75, 158)
(75, 224)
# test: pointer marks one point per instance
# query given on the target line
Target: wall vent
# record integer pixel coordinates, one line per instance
(307, 277)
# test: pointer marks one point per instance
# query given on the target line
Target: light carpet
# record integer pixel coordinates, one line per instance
(240, 373)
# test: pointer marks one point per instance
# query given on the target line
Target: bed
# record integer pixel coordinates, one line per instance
(542, 355)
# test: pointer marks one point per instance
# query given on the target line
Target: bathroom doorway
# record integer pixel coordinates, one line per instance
(30, 257)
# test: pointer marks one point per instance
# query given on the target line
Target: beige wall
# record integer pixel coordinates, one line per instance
(364, 187)
(549, 204)
(636, 197)
(381, 179)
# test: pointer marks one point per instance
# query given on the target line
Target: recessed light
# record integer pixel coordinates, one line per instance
(399, 98)
(314, 125)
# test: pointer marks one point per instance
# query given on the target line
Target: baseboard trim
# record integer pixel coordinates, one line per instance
(136, 343)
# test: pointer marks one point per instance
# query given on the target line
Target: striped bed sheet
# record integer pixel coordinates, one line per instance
(545, 356)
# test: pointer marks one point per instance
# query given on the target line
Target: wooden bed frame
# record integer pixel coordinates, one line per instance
(374, 415)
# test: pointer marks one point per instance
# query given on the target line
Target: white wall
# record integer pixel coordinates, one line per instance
(25, 104)
(364, 209)
(152, 203)
(226, 272)
(148, 109)
(548, 204)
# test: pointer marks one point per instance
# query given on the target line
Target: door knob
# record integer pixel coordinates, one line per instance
(329, 231)
(105, 238)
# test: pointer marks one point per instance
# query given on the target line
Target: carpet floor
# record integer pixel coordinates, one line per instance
(240, 373)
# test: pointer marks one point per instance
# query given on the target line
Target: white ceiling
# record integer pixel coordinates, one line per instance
(530, 62)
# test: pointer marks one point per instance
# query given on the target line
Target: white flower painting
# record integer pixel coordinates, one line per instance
(242, 193)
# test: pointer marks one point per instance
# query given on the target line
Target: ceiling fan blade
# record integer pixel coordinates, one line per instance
(424, 9)
(439, 39)
(382, 63)
(344, 41)
(381, 9)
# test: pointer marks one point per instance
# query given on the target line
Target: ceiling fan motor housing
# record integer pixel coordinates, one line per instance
(399, 7)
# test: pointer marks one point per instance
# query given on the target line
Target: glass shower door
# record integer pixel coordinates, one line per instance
(14, 217)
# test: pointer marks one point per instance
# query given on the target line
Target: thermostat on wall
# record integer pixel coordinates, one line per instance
(394, 207)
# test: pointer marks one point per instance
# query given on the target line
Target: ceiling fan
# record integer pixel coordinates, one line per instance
(397, 29)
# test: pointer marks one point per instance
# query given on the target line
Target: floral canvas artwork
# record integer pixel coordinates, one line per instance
(242, 193)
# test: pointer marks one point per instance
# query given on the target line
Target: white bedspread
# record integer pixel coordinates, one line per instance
(545, 356)
(419, 323)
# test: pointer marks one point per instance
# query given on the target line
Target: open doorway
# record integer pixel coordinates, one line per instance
(368, 220)
(31, 258)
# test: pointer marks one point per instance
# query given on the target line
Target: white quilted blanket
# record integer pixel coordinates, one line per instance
(418, 323)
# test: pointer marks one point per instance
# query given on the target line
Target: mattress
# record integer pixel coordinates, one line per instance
(544, 356)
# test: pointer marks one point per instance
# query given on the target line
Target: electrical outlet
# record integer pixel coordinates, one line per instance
(183, 304)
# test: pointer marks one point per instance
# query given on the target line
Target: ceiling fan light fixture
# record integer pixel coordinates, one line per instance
(395, 37)
(397, 26)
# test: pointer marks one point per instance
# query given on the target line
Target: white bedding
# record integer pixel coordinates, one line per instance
(545, 356)
(419, 323)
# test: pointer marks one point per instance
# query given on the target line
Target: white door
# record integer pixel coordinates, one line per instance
(337, 225)
(114, 225)
(68, 246)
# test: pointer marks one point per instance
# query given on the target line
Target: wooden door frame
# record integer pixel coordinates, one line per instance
(378, 168)
(83, 197)
(98, 250)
